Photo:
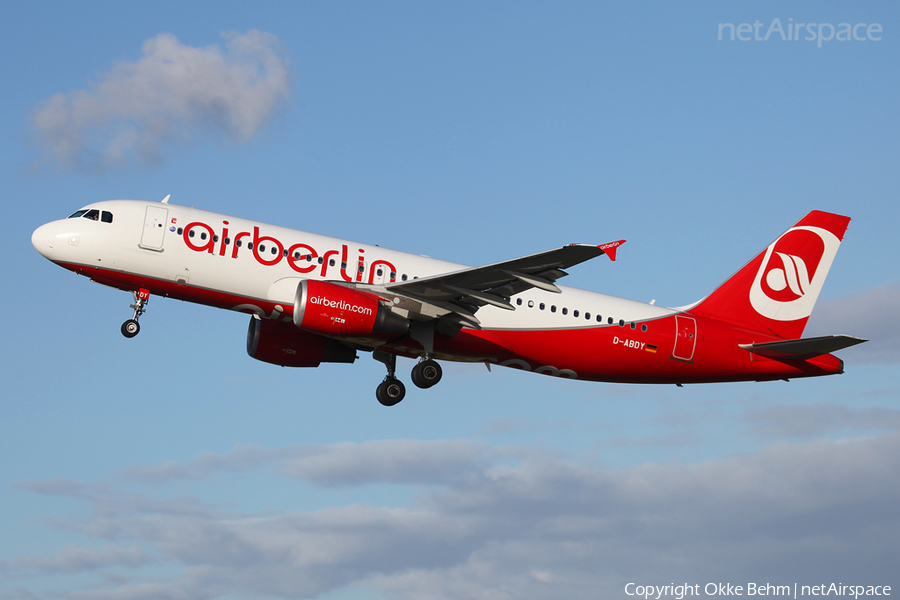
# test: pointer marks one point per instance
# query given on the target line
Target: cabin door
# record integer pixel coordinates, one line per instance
(685, 338)
(154, 228)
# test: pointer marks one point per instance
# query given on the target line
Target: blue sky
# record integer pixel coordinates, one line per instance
(175, 466)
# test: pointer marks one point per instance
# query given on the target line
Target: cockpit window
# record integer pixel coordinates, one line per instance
(93, 214)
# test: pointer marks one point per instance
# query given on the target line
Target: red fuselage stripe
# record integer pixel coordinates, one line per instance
(674, 349)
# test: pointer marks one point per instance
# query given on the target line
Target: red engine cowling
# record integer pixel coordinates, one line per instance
(335, 310)
(283, 344)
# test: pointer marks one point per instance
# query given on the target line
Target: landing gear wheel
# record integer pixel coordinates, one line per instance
(130, 328)
(390, 391)
(426, 373)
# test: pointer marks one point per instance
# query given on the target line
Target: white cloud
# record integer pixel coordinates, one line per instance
(415, 462)
(535, 526)
(74, 560)
(241, 458)
(817, 419)
(390, 461)
(174, 94)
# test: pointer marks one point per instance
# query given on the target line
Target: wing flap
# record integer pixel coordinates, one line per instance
(803, 349)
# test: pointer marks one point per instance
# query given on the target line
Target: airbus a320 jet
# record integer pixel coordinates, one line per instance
(315, 299)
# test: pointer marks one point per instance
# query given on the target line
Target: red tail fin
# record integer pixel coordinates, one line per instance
(776, 291)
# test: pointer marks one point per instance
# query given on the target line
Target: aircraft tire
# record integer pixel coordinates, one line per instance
(130, 328)
(426, 374)
(390, 391)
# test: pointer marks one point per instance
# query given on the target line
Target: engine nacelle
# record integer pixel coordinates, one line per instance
(283, 344)
(335, 310)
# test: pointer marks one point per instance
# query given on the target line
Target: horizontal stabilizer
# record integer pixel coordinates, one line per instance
(804, 348)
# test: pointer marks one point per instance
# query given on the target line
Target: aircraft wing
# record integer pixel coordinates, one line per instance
(460, 294)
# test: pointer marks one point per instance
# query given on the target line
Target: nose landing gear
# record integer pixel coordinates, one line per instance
(131, 327)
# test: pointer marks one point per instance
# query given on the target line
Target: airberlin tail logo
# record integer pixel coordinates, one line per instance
(792, 273)
(789, 277)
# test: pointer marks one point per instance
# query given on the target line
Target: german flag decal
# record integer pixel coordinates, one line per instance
(650, 348)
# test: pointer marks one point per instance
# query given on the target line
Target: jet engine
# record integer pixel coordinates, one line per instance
(334, 310)
(285, 345)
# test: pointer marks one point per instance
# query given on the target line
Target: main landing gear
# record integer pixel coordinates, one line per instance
(426, 373)
(391, 391)
(131, 327)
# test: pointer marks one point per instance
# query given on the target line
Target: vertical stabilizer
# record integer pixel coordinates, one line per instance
(776, 291)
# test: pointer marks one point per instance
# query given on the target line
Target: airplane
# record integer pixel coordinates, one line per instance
(314, 299)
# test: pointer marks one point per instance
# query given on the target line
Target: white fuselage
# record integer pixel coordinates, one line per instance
(261, 278)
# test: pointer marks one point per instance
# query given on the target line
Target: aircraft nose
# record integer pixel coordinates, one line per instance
(43, 240)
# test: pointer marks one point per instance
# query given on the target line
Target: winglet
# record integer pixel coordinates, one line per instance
(610, 248)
